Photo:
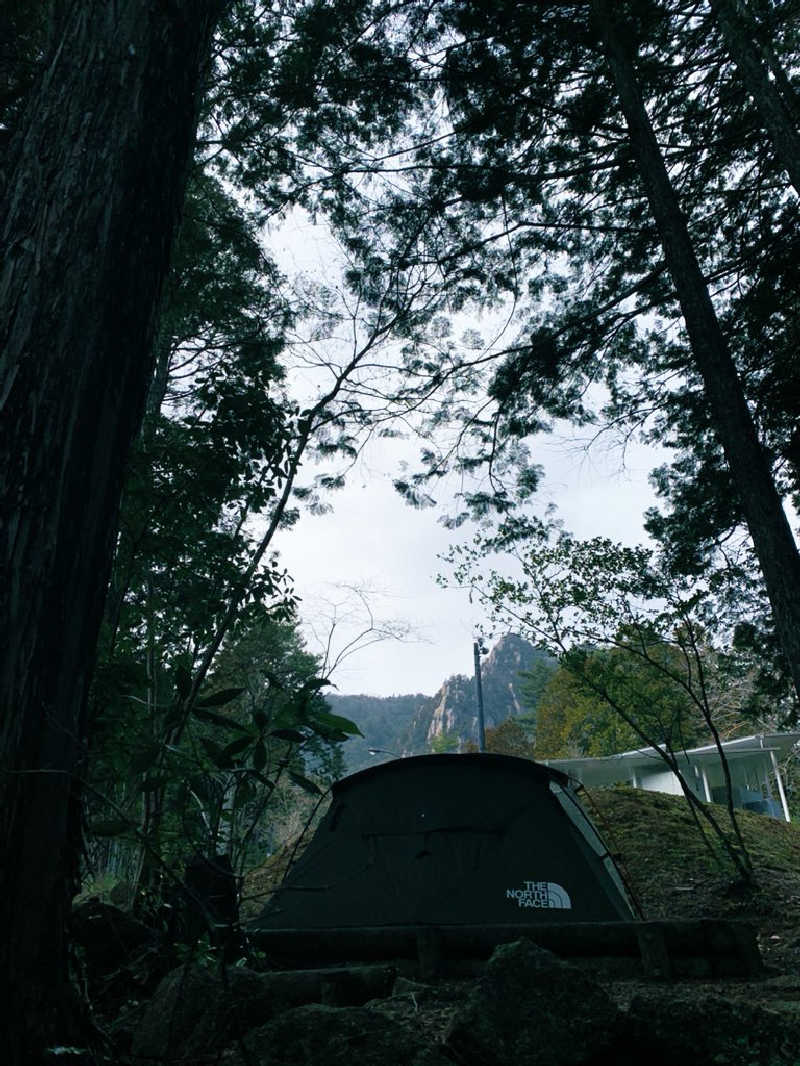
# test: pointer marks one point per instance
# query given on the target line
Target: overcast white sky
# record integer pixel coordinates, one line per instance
(375, 541)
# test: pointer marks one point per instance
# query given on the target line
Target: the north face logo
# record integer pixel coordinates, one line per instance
(540, 894)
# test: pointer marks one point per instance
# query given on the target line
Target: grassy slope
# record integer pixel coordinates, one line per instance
(659, 841)
(673, 874)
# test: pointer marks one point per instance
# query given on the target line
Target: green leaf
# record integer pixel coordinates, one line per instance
(220, 720)
(305, 784)
(216, 754)
(334, 722)
(292, 735)
(286, 717)
(237, 746)
(260, 756)
(331, 736)
(110, 828)
(260, 719)
(314, 684)
(219, 699)
(264, 780)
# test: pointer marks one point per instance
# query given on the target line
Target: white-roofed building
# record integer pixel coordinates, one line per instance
(754, 761)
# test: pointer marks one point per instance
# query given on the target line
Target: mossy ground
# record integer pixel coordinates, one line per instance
(674, 875)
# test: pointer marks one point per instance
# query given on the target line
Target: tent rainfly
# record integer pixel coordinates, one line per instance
(476, 839)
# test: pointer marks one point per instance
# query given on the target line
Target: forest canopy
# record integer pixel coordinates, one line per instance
(571, 212)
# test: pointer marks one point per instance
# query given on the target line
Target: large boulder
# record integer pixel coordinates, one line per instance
(197, 1011)
(320, 1035)
(531, 1008)
(109, 936)
(123, 959)
(710, 1029)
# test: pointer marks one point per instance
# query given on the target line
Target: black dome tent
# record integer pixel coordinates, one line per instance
(450, 840)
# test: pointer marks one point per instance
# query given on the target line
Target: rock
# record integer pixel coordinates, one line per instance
(109, 936)
(531, 1008)
(124, 959)
(122, 1027)
(786, 983)
(319, 1035)
(121, 895)
(195, 1011)
(343, 986)
(415, 990)
(710, 1030)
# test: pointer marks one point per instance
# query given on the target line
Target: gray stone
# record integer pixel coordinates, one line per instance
(531, 1008)
(319, 1035)
(195, 1012)
(711, 1029)
(108, 935)
(415, 990)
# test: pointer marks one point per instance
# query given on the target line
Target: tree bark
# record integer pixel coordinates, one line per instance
(763, 509)
(778, 111)
(99, 171)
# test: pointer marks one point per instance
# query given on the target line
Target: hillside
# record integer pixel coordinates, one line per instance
(673, 875)
(382, 719)
(416, 724)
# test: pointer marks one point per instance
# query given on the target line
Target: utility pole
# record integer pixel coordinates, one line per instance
(476, 651)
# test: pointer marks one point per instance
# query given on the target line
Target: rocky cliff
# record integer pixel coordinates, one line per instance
(414, 725)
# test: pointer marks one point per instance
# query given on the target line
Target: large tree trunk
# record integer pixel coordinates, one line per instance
(99, 172)
(769, 528)
(773, 96)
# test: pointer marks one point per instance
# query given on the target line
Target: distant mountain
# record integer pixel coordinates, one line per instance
(382, 719)
(414, 725)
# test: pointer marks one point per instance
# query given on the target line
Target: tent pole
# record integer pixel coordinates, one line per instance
(476, 651)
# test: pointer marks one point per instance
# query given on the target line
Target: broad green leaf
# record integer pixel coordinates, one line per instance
(286, 717)
(216, 754)
(292, 735)
(305, 784)
(219, 699)
(332, 736)
(314, 684)
(260, 755)
(335, 722)
(237, 746)
(220, 720)
(260, 719)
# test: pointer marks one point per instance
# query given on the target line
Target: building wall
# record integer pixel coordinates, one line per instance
(751, 780)
(658, 781)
